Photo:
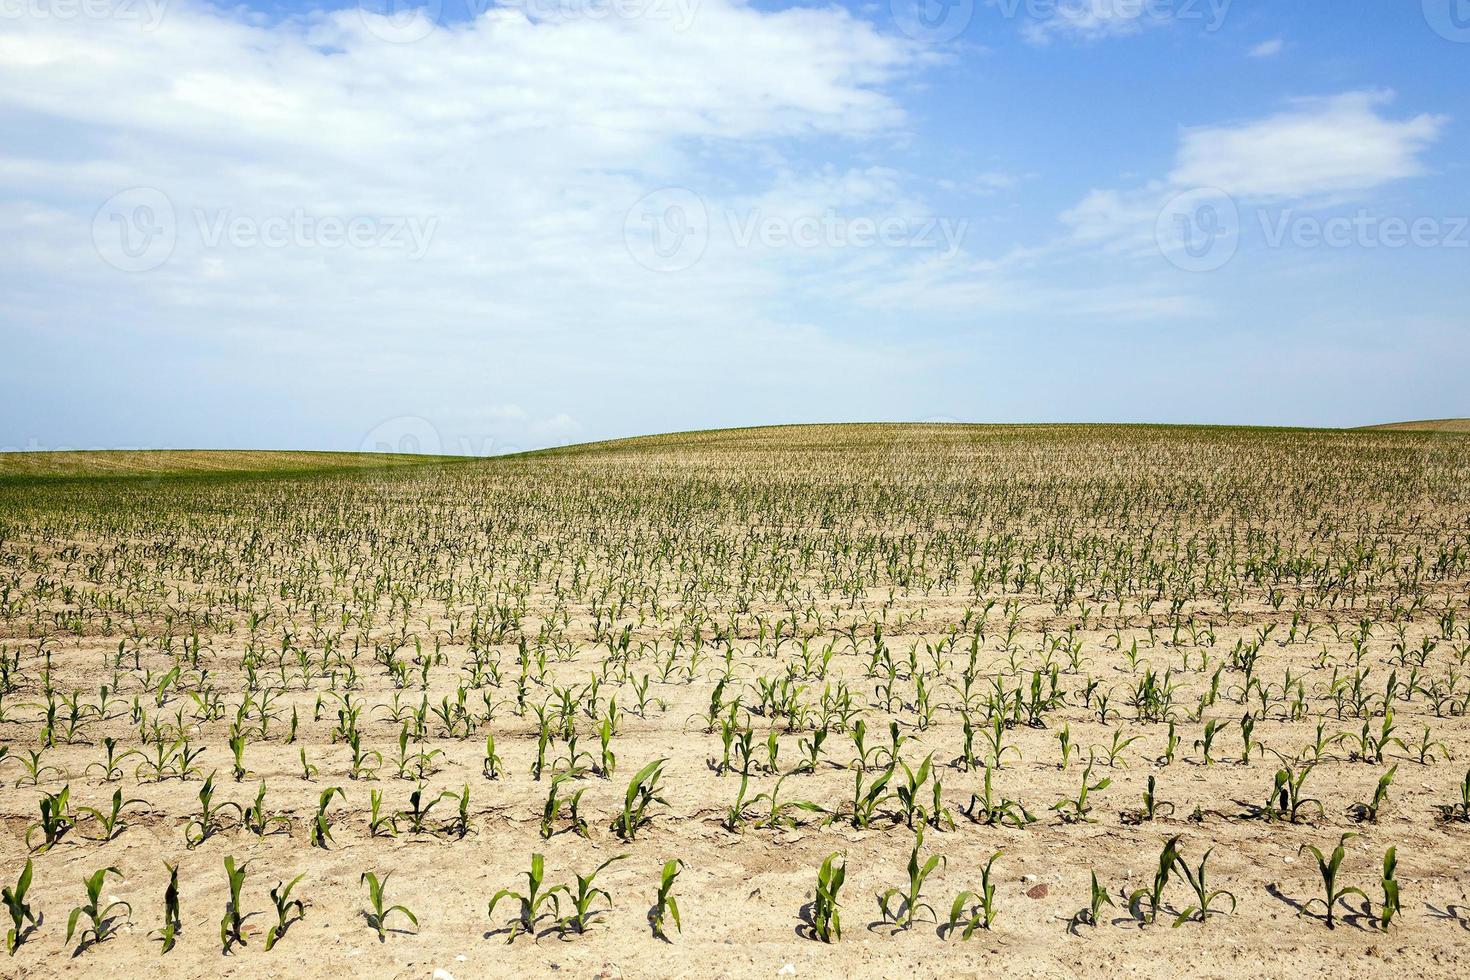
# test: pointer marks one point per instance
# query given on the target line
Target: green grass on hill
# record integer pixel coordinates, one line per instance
(155, 462)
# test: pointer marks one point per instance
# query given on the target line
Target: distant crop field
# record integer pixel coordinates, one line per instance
(872, 699)
(177, 462)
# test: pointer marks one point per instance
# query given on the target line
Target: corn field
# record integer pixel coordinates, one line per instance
(881, 699)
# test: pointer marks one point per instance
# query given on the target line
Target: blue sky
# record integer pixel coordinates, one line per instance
(478, 228)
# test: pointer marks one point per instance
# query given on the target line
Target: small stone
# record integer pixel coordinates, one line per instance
(1038, 892)
(789, 970)
(1027, 879)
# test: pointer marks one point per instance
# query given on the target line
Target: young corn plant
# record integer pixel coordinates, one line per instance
(557, 805)
(643, 791)
(378, 917)
(111, 822)
(1079, 810)
(1329, 868)
(826, 910)
(1369, 812)
(1390, 884)
(22, 919)
(321, 827)
(900, 905)
(665, 905)
(232, 925)
(1458, 812)
(1200, 911)
(173, 924)
(986, 809)
(975, 910)
(1206, 743)
(492, 764)
(56, 820)
(208, 823)
(581, 897)
(532, 901)
(288, 910)
(1287, 799)
(1090, 916)
(1154, 894)
(256, 819)
(101, 923)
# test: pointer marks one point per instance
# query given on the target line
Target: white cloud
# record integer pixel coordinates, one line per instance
(1316, 150)
(521, 142)
(1317, 146)
(1268, 49)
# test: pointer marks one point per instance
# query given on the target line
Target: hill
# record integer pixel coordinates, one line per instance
(154, 462)
(1428, 425)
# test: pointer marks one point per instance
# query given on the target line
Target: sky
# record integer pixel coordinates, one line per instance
(473, 227)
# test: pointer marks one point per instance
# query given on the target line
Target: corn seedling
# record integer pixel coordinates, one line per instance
(22, 918)
(976, 910)
(581, 896)
(1329, 868)
(1390, 884)
(826, 911)
(1090, 915)
(378, 917)
(1369, 812)
(643, 792)
(665, 905)
(100, 920)
(232, 925)
(173, 924)
(900, 905)
(532, 901)
(1154, 894)
(1203, 896)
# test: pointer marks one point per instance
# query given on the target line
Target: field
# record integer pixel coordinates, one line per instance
(976, 666)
